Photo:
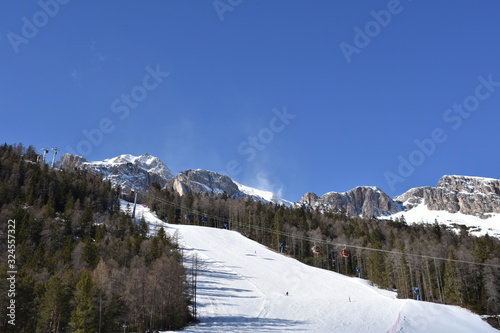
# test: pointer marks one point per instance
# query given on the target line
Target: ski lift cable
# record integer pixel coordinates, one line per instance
(326, 242)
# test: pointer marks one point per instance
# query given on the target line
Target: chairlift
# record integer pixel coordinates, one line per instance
(316, 249)
(345, 253)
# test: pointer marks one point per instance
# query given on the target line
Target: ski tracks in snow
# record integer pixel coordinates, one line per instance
(221, 292)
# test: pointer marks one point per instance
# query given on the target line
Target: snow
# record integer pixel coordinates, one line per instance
(147, 162)
(242, 287)
(128, 158)
(373, 188)
(471, 178)
(479, 227)
(266, 195)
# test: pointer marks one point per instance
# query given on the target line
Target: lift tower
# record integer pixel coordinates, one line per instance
(45, 151)
(54, 157)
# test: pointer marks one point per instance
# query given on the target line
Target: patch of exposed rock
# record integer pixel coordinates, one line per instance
(365, 201)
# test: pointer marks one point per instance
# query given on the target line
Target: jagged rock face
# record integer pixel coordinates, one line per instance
(203, 181)
(412, 197)
(125, 171)
(468, 195)
(309, 199)
(70, 162)
(361, 201)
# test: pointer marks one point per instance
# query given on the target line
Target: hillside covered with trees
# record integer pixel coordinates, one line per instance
(82, 265)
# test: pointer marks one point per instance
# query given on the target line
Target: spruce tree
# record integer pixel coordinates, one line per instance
(54, 305)
(451, 281)
(85, 316)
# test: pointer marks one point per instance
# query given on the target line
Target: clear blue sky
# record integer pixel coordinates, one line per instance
(289, 96)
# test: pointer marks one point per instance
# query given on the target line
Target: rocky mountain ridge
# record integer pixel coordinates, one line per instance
(474, 196)
(218, 185)
(365, 201)
(138, 173)
(203, 181)
(125, 171)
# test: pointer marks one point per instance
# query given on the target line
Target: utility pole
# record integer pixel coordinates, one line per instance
(54, 157)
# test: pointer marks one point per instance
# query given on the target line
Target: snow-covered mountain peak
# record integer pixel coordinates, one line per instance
(147, 162)
(266, 195)
(125, 158)
(456, 200)
(144, 160)
(469, 195)
(125, 171)
(362, 188)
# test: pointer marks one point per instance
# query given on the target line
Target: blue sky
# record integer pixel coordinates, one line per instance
(289, 96)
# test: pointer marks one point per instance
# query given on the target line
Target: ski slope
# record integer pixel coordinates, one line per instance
(242, 287)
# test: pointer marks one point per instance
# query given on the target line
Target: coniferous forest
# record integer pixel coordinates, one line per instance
(82, 265)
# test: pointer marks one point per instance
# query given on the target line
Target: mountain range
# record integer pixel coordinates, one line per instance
(461, 202)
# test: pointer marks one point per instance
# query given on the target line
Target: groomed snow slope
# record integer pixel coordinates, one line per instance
(242, 287)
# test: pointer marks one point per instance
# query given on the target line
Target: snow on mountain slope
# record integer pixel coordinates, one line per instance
(477, 226)
(267, 196)
(131, 172)
(146, 161)
(242, 287)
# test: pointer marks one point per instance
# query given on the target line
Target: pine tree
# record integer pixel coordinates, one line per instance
(90, 253)
(162, 235)
(53, 312)
(85, 316)
(143, 228)
(85, 222)
(451, 281)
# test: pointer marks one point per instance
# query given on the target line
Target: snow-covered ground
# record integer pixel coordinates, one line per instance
(243, 286)
(478, 226)
(266, 195)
